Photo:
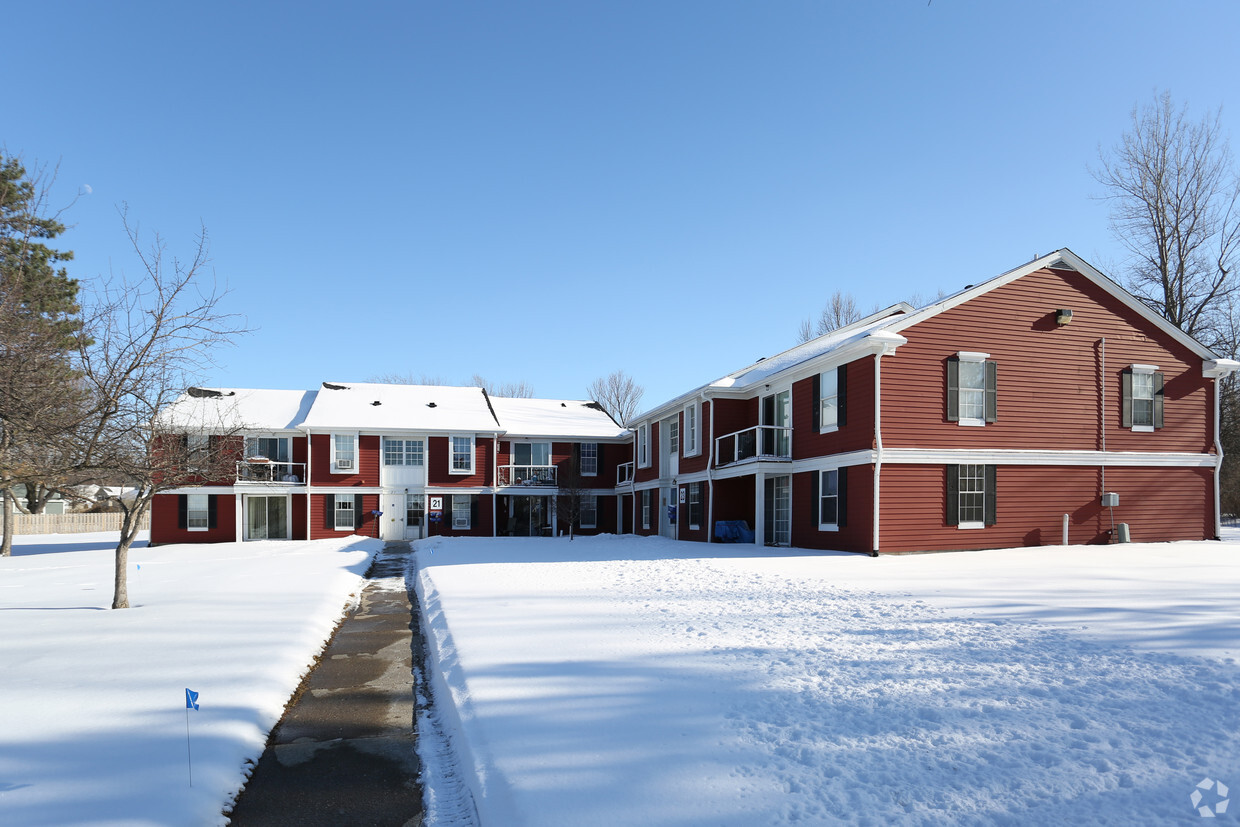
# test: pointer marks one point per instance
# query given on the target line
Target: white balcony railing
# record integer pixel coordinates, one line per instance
(257, 469)
(624, 473)
(539, 475)
(769, 442)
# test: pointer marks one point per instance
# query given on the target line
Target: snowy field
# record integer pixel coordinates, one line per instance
(92, 701)
(628, 681)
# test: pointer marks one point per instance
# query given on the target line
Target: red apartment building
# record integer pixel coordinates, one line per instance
(1044, 403)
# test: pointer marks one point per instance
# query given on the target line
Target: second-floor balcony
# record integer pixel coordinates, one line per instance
(764, 442)
(624, 473)
(529, 475)
(265, 471)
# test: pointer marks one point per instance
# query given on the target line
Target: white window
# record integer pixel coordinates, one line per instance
(197, 512)
(344, 453)
(643, 446)
(589, 511)
(673, 435)
(646, 509)
(462, 456)
(695, 505)
(461, 506)
(828, 401)
(589, 459)
(345, 518)
(1143, 386)
(972, 392)
(829, 500)
(692, 443)
(972, 389)
(402, 451)
(972, 502)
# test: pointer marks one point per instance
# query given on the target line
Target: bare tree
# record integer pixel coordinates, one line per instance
(1174, 194)
(840, 311)
(505, 390)
(152, 336)
(618, 394)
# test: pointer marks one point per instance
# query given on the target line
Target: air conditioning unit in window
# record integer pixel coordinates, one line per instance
(344, 465)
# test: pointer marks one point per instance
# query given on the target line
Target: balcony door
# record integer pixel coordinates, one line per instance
(777, 412)
(778, 511)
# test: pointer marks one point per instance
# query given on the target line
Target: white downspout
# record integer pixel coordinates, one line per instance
(309, 465)
(878, 443)
(1218, 461)
(710, 474)
(494, 486)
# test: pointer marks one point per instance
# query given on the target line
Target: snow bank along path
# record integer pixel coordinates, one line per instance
(92, 701)
(636, 681)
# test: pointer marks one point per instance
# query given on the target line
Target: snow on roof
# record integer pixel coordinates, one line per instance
(223, 410)
(364, 406)
(571, 418)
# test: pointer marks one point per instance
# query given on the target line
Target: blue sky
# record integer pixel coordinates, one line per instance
(550, 191)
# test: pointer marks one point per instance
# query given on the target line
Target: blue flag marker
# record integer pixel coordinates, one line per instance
(191, 699)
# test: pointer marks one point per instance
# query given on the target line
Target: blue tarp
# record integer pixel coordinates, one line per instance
(733, 531)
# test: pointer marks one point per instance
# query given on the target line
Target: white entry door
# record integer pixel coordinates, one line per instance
(402, 517)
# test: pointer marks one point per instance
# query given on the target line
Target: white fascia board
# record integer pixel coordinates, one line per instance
(999, 456)
(833, 461)
(880, 341)
(440, 490)
(1074, 262)
(347, 489)
(200, 489)
(1216, 368)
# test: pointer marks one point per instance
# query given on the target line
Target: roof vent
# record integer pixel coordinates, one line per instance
(563, 405)
(332, 387)
(431, 405)
(376, 403)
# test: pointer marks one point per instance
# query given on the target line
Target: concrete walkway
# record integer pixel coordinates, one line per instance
(345, 750)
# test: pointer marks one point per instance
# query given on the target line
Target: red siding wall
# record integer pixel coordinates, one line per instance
(734, 500)
(318, 516)
(367, 462)
(1159, 503)
(165, 521)
(439, 456)
(857, 434)
(297, 516)
(855, 534)
(651, 472)
(482, 527)
(1049, 376)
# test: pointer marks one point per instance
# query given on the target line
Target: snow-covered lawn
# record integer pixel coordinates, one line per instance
(619, 680)
(92, 701)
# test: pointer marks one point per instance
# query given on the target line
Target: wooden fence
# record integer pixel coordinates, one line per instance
(70, 523)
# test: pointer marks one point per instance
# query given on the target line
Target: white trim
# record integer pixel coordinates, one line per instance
(971, 356)
(1000, 456)
(352, 509)
(835, 526)
(971, 525)
(642, 446)
(206, 511)
(581, 458)
(694, 449)
(1143, 368)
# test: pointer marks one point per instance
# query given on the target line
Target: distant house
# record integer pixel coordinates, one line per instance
(1043, 401)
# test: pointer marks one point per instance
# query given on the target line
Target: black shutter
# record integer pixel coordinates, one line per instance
(816, 402)
(953, 495)
(576, 458)
(953, 391)
(991, 497)
(357, 512)
(992, 391)
(329, 511)
(814, 489)
(473, 511)
(1158, 400)
(447, 512)
(212, 510)
(841, 486)
(841, 391)
(1125, 384)
(182, 511)
(598, 458)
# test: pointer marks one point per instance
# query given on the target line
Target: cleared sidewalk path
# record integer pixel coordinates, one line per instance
(345, 750)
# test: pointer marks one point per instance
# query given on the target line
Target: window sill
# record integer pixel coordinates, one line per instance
(1143, 429)
(972, 423)
(203, 528)
(970, 526)
(458, 473)
(828, 527)
(829, 429)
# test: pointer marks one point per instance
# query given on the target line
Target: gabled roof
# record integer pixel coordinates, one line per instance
(225, 410)
(1063, 259)
(566, 418)
(364, 406)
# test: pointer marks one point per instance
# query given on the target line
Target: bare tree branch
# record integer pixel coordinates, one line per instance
(618, 394)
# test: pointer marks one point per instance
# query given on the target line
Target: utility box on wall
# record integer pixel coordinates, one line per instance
(1110, 500)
